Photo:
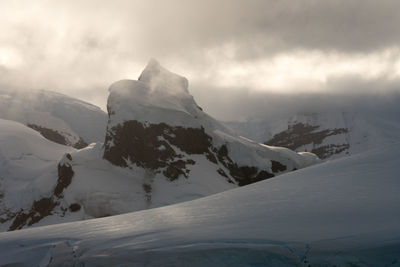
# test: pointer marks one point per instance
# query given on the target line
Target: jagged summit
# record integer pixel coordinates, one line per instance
(157, 96)
(161, 79)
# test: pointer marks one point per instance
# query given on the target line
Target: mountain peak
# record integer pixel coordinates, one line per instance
(156, 97)
(159, 78)
(153, 63)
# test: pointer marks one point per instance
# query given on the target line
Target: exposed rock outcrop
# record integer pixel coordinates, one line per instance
(57, 137)
(44, 207)
(301, 134)
(154, 146)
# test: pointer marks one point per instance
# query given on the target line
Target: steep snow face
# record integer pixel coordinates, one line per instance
(57, 117)
(339, 213)
(154, 123)
(329, 134)
(28, 168)
(158, 96)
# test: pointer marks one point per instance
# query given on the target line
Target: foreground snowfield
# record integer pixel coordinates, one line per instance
(344, 212)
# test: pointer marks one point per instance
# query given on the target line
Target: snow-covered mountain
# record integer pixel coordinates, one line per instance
(160, 148)
(157, 116)
(339, 213)
(59, 118)
(331, 133)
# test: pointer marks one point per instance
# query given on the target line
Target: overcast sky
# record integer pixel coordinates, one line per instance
(231, 51)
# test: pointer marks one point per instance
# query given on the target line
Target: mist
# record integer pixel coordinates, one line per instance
(351, 93)
(242, 58)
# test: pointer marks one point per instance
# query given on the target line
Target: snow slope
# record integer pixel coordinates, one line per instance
(343, 212)
(63, 119)
(28, 167)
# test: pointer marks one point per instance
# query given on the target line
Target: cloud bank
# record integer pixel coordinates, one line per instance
(230, 51)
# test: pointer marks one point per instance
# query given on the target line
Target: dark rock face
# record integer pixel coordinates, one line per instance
(276, 166)
(65, 174)
(150, 146)
(80, 144)
(5, 214)
(328, 150)
(244, 175)
(300, 134)
(40, 209)
(45, 206)
(74, 207)
(56, 137)
(153, 146)
(177, 168)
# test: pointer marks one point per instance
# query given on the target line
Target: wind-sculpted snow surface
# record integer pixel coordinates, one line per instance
(339, 213)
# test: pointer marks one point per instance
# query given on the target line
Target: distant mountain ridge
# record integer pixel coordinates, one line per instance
(59, 118)
(329, 134)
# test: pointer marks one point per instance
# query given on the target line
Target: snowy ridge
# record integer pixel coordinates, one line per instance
(60, 118)
(330, 133)
(343, 212)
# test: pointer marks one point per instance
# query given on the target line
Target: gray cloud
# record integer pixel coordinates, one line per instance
(80, 47)
(340, 93)
(261, 27)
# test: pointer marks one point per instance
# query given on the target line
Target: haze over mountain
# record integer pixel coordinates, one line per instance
(288, 157)
(59, 118)
(160, 148)
(331, 127)
(229, 50)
